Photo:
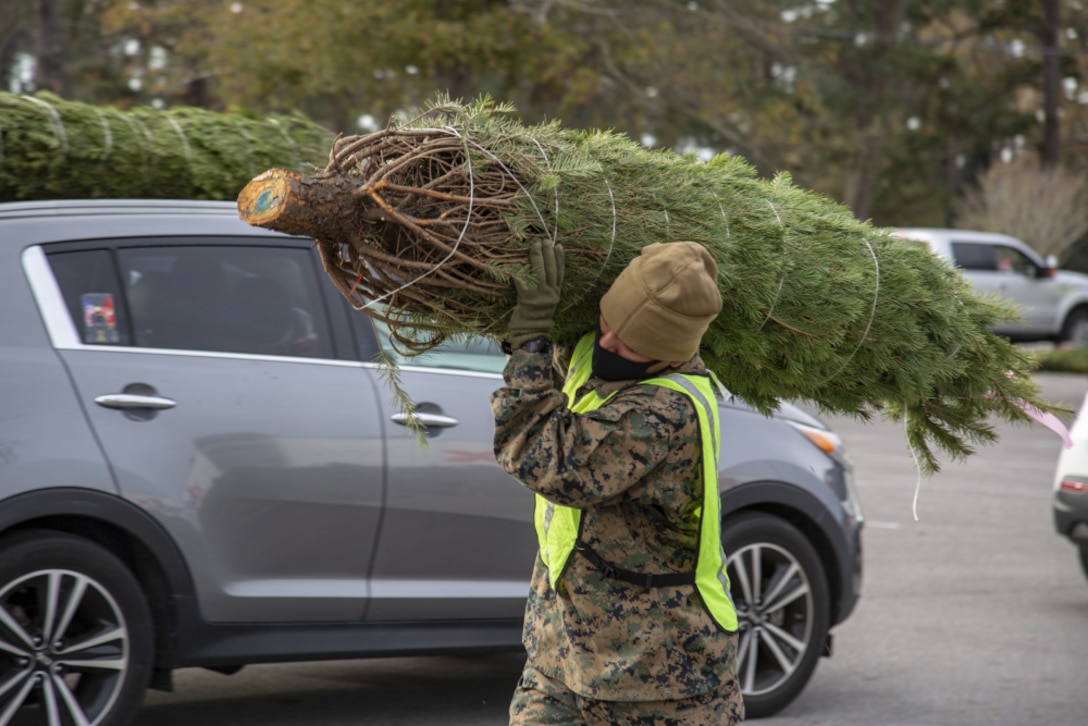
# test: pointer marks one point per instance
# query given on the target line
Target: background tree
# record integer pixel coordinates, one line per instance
(892, 107)
(51, 70)
(1042, 205)
(968, 112)
(889, 107)
(61, 46)
(334, 60)
(16, 40)
(168, 47)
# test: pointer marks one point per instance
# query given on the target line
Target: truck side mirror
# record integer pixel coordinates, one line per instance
(1051, 268)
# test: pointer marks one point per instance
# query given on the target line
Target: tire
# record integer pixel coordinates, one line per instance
(1083, 549)
(783, 608)
(75, 633)
(1075, 329)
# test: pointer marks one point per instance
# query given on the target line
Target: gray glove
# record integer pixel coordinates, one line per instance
(534, 314)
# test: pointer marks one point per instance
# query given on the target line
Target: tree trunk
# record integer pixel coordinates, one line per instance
(880, 96)
(1051, 152)
(49, 74)
(862, 174)
(13, 28)
(320, 206)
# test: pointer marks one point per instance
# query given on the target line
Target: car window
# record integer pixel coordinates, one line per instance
(1010, 259)
(468, 353)
(243, 299)
(92, 293)
(974, 256)
(236, 299)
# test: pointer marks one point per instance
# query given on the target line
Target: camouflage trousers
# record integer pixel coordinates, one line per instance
(540, 700)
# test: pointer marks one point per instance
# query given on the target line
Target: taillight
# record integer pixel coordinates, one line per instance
(1072, 485)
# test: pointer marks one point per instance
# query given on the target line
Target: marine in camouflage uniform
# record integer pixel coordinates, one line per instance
(602, 649)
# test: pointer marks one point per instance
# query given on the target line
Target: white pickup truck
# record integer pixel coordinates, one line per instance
(1053, 303)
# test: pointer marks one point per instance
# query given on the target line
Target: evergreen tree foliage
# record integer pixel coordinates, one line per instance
(54, 149)
(819, 306)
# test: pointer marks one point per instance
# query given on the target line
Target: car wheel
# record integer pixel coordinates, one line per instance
(75, 632)
(1084, 558)
(783, 609)
(1075, 329)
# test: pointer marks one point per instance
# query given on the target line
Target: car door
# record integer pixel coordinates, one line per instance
(457, 540)
(210, 375)
(1007, 271)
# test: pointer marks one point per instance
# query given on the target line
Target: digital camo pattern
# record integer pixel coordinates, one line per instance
(539, 699)
(633, 467)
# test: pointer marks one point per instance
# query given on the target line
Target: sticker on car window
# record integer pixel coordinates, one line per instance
(99, 318)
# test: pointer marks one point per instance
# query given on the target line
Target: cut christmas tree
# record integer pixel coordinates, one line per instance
(425, 225)
(56, 149)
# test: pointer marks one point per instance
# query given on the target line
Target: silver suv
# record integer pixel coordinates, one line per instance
(1053, 303)
(201, 465)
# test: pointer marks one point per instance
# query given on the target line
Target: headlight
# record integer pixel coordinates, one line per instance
(826, 441)
(831, 444)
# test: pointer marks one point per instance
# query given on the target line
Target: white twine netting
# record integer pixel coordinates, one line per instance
(552, 231)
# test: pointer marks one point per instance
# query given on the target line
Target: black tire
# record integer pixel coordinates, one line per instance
(75, 633)
(1075, 328)
(1084, 558)
(782, 638)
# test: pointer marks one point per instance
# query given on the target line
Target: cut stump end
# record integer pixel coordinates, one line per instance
(265, 198)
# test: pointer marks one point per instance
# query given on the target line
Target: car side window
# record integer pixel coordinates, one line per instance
(465, 353)
(92, 293)
(237, 299)
(974, 256)
(1010, 259)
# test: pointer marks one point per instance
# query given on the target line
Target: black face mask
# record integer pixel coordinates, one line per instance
(614, 367)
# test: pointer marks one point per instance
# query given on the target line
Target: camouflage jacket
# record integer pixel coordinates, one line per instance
(632, 466)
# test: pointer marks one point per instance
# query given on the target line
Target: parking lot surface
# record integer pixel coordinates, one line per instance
(976, 613)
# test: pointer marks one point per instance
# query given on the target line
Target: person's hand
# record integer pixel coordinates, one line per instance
(534, 314)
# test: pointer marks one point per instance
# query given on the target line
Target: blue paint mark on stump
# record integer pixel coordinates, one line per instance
(264, 202)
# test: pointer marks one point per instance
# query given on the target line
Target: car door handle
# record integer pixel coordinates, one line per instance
(435, 420)
(131, 400)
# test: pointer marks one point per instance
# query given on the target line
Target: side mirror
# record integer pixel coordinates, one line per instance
(1051, 268)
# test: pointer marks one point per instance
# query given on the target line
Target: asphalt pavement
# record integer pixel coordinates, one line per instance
(975, 613)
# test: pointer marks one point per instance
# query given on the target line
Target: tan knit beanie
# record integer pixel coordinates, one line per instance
(664, 300)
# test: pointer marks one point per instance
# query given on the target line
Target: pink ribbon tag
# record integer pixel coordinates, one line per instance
(1049, 420)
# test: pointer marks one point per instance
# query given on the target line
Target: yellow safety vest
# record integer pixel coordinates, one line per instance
(558, 527)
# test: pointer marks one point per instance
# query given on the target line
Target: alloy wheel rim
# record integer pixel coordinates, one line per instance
(774, 603)
(64, 646)
(1079, 334)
